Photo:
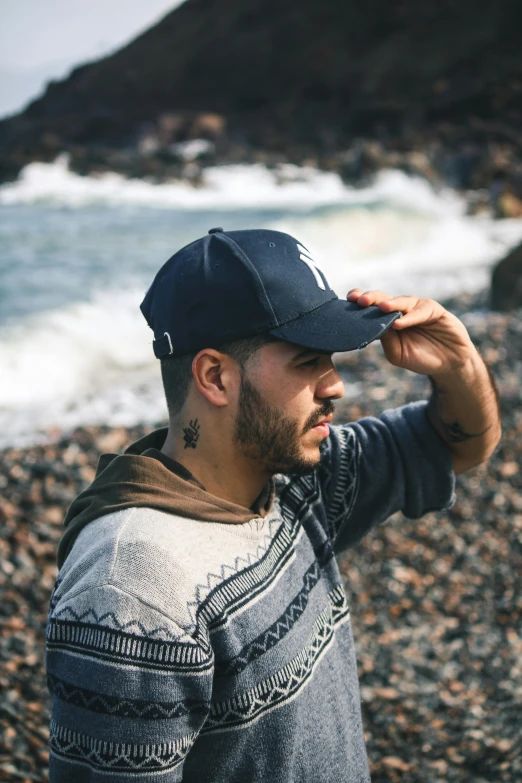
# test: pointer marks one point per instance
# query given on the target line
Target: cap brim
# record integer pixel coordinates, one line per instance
(338, 325)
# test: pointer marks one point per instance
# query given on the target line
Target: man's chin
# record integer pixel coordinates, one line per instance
(311, 442)
(301, 465)
(309, 461)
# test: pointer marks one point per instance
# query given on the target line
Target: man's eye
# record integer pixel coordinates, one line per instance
(311, 362)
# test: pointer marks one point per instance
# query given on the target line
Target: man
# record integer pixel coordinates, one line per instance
(199, 630)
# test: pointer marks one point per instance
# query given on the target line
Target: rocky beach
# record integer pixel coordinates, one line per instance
(436, 603)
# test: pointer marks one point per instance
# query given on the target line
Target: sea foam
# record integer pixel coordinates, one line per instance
(90, 362)
(223, 188)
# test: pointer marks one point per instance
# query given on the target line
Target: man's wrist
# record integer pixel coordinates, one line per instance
(471, 367)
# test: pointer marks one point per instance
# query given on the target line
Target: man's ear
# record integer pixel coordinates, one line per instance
(216, 376)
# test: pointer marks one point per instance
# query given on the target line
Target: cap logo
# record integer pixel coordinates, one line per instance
(304, 255)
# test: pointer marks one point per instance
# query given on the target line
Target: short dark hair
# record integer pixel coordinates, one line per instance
(176, 371)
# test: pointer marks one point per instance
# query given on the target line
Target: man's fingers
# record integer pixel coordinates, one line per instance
(414, 310)
(366, 298)
(421, 311)
(403, 303)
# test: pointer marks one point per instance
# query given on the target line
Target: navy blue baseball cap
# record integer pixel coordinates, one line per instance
(233, 284)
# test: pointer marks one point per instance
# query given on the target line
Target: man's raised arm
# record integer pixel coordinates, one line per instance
(429, 340)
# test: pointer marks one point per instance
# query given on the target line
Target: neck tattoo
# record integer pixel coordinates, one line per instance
(191, 435)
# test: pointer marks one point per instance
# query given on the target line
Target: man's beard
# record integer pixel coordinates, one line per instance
(271, 439)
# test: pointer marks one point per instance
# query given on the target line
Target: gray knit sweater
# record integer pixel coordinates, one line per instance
(182, 649)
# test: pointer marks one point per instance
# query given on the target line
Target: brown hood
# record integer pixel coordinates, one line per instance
(144, 476)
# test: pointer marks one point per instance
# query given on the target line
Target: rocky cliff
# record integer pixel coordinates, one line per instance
(294, 80)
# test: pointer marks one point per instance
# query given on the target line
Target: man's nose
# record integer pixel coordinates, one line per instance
(330, 385)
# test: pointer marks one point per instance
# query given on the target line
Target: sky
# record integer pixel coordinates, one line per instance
(44, 39)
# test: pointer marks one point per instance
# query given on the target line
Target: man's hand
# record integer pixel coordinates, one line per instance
(429, 340)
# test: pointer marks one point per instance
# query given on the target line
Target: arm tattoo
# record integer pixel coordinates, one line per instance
(453, 430)
(191, 435)
(456, 434)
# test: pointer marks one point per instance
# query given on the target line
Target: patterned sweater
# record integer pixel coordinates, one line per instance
(189, 649)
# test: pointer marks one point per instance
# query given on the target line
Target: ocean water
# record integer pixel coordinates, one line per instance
(78, 253)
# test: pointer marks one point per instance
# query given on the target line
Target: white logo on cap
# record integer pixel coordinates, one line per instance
(312, 266)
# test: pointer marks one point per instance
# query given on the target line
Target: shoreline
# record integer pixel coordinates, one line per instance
(435, 603)
(474, 171)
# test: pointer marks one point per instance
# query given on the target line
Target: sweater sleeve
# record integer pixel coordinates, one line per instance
(374, 467)
(130, 689)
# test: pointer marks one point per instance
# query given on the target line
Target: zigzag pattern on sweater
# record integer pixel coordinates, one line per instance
(124, 708)
(347, 484)
(227, 591)
(279, 628)
(300, 496)
(273, 692)
(109, 620)
(221, 595)
(227, 570)
(118, 756)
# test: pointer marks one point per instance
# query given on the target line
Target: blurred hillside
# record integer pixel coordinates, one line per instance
(295, 81)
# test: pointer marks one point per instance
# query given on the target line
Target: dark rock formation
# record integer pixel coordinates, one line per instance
(298, 81)
(506, 282)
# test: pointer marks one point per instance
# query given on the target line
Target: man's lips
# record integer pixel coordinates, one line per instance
(322, 426)
(320, 419)
(326, 420)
